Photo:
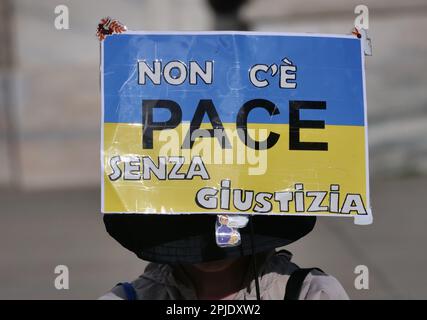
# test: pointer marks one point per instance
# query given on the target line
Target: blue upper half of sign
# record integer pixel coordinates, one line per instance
(328, 69)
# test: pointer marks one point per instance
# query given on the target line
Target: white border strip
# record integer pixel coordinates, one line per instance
(243, 33)
(366, 219)
(101, 70)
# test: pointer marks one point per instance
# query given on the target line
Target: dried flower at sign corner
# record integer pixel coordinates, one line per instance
(109, 26)
(356, 33)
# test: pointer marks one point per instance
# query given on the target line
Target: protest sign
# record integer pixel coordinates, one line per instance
(234, 123)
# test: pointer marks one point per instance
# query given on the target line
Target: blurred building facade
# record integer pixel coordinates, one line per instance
(50, 113)
(50, 135)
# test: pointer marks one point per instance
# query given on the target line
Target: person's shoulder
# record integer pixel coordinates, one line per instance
(317, 285)
(321, 286)
(151, 285)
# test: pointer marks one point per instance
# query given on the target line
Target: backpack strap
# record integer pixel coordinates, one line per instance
(129, 290)
(295, 281)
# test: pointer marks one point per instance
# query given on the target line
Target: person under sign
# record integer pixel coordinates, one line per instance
(187, 264)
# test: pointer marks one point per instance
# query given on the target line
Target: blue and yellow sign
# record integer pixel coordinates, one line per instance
(234, 123)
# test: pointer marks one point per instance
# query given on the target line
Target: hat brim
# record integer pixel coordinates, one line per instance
(190, 238)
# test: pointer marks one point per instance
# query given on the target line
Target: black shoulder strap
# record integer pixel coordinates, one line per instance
(295, 281)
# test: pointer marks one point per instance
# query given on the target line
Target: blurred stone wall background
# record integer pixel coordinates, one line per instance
(55, 98)
(50, 131)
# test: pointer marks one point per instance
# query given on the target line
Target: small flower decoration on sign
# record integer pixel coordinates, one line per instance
(109, 26)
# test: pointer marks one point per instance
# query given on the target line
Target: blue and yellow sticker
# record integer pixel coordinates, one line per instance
(234, 123)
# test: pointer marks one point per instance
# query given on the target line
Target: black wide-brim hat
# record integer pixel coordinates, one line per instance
(190, 238)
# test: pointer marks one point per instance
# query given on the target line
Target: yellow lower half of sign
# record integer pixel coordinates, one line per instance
(272, 181)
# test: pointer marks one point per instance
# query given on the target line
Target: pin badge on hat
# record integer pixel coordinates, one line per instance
(227, 229)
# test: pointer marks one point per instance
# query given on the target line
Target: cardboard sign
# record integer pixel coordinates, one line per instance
(234, 123)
